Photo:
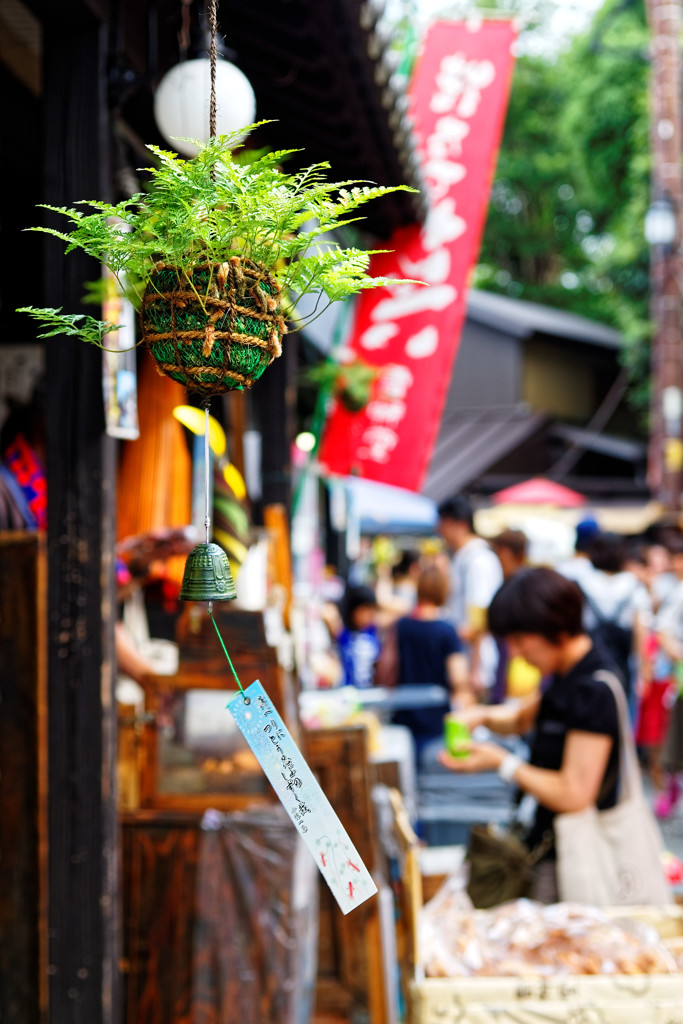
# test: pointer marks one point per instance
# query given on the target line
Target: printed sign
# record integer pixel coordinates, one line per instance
(302, 797)
(458, 97)
(119, 367)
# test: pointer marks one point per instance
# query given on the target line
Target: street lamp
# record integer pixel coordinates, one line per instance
(660, 223)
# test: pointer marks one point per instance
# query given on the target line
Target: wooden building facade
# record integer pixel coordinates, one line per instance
(78, 79)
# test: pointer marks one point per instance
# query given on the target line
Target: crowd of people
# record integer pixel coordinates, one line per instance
(520, 650)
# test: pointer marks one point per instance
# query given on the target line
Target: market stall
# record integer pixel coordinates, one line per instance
(214, 875)
(525, 961)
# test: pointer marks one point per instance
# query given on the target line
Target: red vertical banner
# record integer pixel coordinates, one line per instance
(458, 99)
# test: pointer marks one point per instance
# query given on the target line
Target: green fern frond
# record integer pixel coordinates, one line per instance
(215, 205)
(54, 323)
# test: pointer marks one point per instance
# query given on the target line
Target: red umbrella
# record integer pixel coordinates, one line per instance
(539, 491)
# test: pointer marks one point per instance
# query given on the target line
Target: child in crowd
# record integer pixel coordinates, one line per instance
(651, 563)
(358, 640)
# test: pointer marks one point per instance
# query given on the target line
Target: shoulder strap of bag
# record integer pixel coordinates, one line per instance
(624, 603)
(621, 605)
(593, 606)
(631, 784)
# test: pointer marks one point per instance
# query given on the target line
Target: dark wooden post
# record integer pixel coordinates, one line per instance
(665, 471)
(23, 770)
(83, 936)
(274, 398)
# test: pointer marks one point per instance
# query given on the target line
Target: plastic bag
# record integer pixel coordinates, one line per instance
(527, 939)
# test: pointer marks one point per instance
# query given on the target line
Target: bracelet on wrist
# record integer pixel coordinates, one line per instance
(507, 768)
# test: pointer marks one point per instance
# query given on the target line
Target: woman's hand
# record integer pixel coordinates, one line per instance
(472, 715)
(573, 788)
(504, 719)
(477, 757)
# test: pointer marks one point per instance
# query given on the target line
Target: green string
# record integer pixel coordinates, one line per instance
(225, 651)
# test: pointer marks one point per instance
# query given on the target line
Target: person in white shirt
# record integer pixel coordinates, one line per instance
(476, 575)
(610, 589)
(617, 609)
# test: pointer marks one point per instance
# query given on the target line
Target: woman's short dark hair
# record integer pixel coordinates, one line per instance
(432, 586)
(537, 601)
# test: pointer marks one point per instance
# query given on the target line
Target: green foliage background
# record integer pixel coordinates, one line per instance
(565, 224)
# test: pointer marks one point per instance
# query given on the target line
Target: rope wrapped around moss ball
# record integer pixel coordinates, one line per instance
(216, 330)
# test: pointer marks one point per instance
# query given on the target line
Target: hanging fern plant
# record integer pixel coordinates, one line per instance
(351, 383)
(215, 255)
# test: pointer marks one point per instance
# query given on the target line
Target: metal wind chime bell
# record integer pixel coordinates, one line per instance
(207, 575)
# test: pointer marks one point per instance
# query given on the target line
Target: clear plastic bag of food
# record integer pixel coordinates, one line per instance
(447, 938)
(524, 939)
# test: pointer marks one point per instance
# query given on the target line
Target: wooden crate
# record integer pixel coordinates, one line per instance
(577, 999)
(605, 999)
(567, 999)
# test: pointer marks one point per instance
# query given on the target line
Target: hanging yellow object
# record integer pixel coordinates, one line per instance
(193, 419)
(233, 547)
(235, 481)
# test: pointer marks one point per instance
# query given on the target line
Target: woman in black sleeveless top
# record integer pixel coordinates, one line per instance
(574, 760)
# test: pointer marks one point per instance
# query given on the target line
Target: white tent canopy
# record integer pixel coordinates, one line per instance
(380, 508)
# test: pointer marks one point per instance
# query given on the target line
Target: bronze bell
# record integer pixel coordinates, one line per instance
(207, 575)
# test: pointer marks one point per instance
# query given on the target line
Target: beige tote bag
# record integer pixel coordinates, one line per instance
(613, 857)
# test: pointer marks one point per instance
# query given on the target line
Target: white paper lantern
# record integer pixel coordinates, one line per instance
(182, 100)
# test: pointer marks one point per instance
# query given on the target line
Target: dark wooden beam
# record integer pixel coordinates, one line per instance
(21, 59)
(82, 854)
(274, 403)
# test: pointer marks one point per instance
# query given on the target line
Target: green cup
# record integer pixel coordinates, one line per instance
(456, 734)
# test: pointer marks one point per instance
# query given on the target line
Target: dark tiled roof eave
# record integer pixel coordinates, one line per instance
(521, 319)
(319, 71)
(468, 446)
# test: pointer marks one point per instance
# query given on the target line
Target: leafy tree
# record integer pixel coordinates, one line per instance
(571, 188)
